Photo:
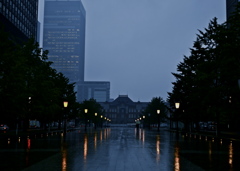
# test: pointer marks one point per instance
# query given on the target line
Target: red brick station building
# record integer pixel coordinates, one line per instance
(123, 110)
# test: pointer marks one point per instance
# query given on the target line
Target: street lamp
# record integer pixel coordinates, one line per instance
(149, 120)
(95, 124)
(143, 121)
(105, 121)
(177, 105)
(101, 121)
(158, 112)
(65, 105)
(85, 111)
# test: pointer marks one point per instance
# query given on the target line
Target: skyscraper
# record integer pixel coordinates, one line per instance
(64, 37)
(231, 6)
(98, 90)
(19, 18)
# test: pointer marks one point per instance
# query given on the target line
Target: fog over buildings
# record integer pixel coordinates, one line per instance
(135, 45)
(64, 36)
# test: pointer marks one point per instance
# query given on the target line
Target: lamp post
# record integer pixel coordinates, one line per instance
(143, 121)
(149, 120)
(239, 88)
(27, 125)
(95, 125)
(177, 105)
(105, 121)
(101, 120)
(65, 105)
(239, 83)
(158, 113)
(85, 111)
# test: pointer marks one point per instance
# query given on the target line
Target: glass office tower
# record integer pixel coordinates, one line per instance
(231, 6)
(19, 18)
(64, 36)
(98, 90)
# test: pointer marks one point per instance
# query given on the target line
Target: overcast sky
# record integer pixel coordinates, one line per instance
(136, 44)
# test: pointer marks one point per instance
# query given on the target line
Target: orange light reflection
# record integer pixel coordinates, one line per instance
(230, 160)
(176, 158)
(28, 144)
(64, 157)
(85, 147)
(95, 141)
(158, 147)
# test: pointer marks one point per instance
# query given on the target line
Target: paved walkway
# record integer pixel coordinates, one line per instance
(116, 149)
(119, 149)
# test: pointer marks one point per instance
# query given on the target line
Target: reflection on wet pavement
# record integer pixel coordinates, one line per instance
(119, 149)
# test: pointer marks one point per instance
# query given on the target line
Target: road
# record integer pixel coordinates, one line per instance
(118, 149)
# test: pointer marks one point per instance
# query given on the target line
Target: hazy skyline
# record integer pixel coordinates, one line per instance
(136, 44)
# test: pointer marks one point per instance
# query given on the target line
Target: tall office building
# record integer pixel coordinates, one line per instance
(231, 6)
(64, 37)
(19, 18)
(98, 90)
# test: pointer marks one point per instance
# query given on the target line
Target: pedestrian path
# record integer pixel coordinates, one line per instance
(116, 149)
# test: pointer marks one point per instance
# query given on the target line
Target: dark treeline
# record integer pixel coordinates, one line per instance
(31, 89)
(207, 80)
(155, 113)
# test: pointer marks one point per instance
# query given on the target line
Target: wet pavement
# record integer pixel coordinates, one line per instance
(119, 149)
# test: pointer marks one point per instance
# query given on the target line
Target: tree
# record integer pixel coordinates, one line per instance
(92, 107)
(29, 87)
(206, 80)
(156, 111)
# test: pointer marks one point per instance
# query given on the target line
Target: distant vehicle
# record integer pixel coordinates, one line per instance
(34, 124)
(203, 125)
(210, 125)
(3, 127)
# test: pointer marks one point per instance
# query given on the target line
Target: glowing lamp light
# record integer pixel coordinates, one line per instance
(65, 104)
(177, 105)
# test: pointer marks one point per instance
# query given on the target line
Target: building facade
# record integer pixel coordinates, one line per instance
(20, 19)
(123, 110)
(64, 37)
(230, 6)
(98, 90)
